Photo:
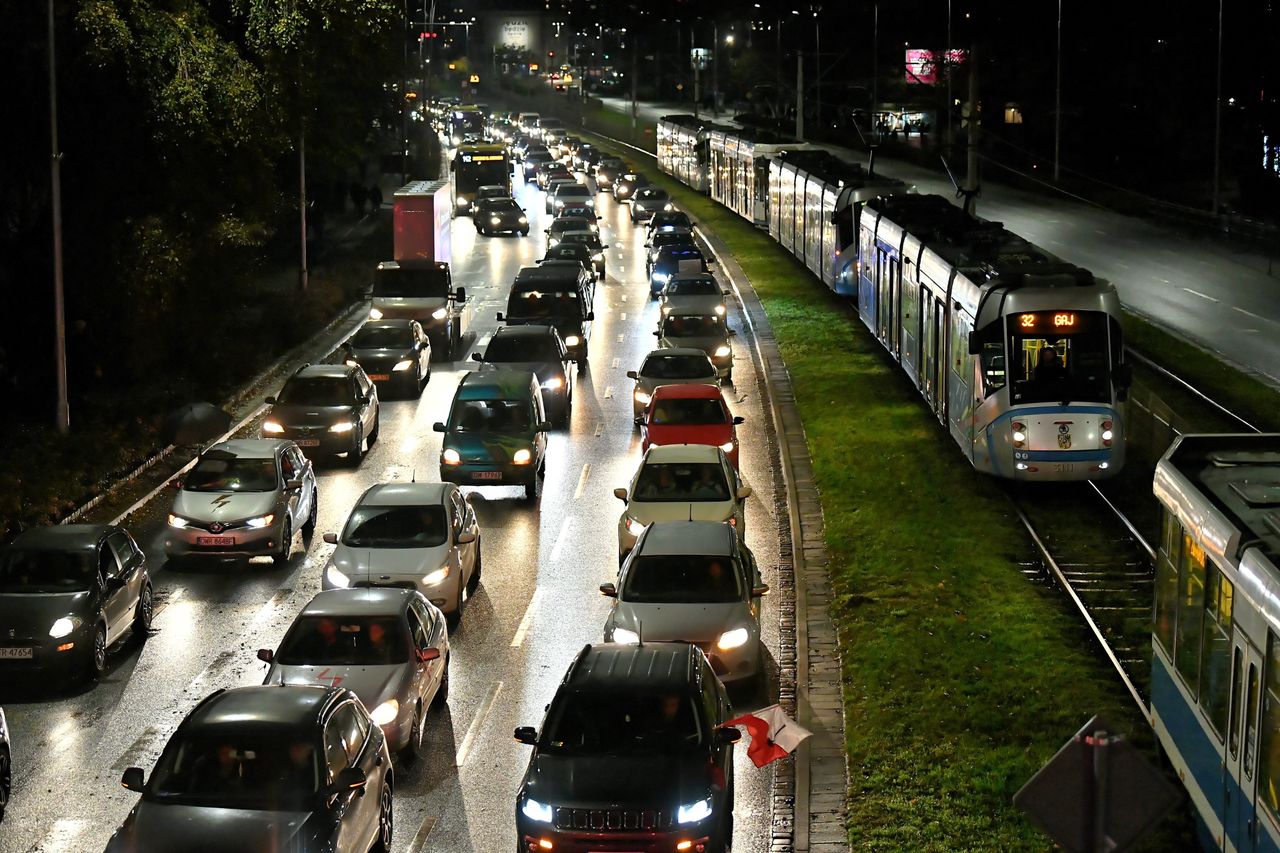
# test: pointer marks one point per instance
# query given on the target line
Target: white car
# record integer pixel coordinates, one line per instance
(693, 293)
(419, 535)
(681, 482)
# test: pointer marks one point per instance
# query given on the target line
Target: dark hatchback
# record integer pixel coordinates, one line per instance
(67, 594)
(285, 769)
(392, 352)
(631, 756)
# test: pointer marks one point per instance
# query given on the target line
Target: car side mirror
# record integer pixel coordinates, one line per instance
(975, 346)
(466, 537)
(293, 484)
(591, 315)
(437, 427)
(657, 334)
(738, 419)
(460, 295)
(639, 421)
(475, 356)
(544, 426)
(733, 333)
(349, 779)
(632, 374)
(608, 590)
(648, 245)
(266, 655)
(115, 583)
(620, 494)
(271, 401)
(744, 492)
(428, 655)
(501, 319)
(133, 779)
(727, 736)
(330, 538)
(527, 735)
(757, 591)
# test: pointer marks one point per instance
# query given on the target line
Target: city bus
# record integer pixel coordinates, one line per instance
(475, 166)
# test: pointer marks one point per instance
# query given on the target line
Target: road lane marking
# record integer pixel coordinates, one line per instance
(464, 748)
(616, 362)
(419, 842)
(164, 601)
(621, 336)
(527, 622)
(1198, 293)
(586, 471)
(557, 547)
(624, 315)
(272, 607)
(1251, 314)
(599, 428)
(624, 297)
(62, 836)
(138, 748)
(608, 391)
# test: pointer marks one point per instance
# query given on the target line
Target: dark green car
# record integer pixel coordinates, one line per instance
(496, 434)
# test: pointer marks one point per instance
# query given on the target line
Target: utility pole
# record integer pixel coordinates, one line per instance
(799, 94)
(63, 416)
(1057, 105)
(715, 69)
(875, 71)
(971, 165)
(302, 196)
(1217, 123)
(697, 72)
(946, 54)
(635, 73)
(817, 65)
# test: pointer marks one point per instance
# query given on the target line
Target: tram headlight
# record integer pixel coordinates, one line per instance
(1108, 433)
(1019, 433)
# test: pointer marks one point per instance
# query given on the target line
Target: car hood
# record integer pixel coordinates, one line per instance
(373, 684)
(309, 416)
(487, 447)
(641, 781)
(647, 512)
(370, 357)
(169, 828)
(713, 434)
(704, 304)
(223, 506)
(32, 615)
(648, 383)
(376, 565)
(681, 622)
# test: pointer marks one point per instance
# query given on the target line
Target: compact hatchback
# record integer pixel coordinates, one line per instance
(573, 194)
(243, 498)
(328, 409)
(500, 215)
(669, 366)
(539, 350)
(646, 201)
(67, 594)
(395, 353)
(693, 293)
(496, 434)
(632, 756)
(266, 768)
(388, 646)
(706, 331)
(690, 414)
(421, 536)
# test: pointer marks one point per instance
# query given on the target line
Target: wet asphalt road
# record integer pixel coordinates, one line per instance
(535, 608)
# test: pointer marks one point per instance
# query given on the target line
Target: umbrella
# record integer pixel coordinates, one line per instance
(195, 423)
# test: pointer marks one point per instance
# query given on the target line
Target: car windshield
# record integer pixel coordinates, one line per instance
(621, 721)
(36, 570)
(499, 205)
(345, 641)
(316, 391)
(692, 326)
(568, 252)
(678, 367)
(522, 348)
(698, 482)
(574, 191)
(669, 238)
(405, 283)
(583, 237)
(544, 304)
(511, 417)
(570, 223)
(670, 219)
(240, 767)
(386, 337)
(221, 472)
(693, 287)
(577, 211)
(688, 411)
(396, 527)
(694, 578)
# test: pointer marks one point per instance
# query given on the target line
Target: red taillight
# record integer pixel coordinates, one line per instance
(1019, 433)
(1108, 433)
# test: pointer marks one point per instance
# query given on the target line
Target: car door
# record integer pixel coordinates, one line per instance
(342, 805)
(425, 674)
(307, 496)
(462, 519)
(369, 407)
(424, 354)
(735, 482)
(348, 744)
(112, 601)
(124, 585)
(291, 497)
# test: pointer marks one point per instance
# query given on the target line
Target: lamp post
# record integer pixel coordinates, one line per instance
(1217, 122)
(63, 416)
(1057, 104)
(817, 65)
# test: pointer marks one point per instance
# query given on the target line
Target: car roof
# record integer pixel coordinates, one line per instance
(574, 187)
(249, 448)
(673, 249)
(365, 601)
(405, 324)
(61, 537)
(690, 391)
(651, 665)
(500, 384)
(291, 705)
(531, 330)
(403, 494)
(567, 273)
(677, 351)
(569, 220)
(326, 371)
(677, 453)
(676, 538)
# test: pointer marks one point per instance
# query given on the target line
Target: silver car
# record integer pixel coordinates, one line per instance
(421, 536)
(388, 646)
(692, 293)
(244, 498)
(6, 765)
(695, 582)
(671, 366)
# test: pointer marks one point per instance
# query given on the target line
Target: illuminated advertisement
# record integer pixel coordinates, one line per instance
(923, 65)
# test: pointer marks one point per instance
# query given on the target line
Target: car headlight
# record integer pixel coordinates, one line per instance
(572, 340)
(623, 637)
(336, 577)
(733, 639)
(661, 277)
(260, 522)
(375, 314)
(495, 220)
(450, 457)
(405, 364)
(351, 362)
(552, 241)
(438, 576)
(694, 812)
(535, 810)
(523, 456)
(598, 256)
(440, 313)
(643, 397)
(667, 207)
(386, 713)
(723, 351)
(727, 447)
(720, 310)
(342, 426)
(555, 383)
(524, 220)
(177, 521)
(272, 427)
(64, 626)
(634, 527)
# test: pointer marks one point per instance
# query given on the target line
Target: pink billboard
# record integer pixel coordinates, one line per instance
(923, 65)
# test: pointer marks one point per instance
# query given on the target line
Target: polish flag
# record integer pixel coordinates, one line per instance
(773, 734)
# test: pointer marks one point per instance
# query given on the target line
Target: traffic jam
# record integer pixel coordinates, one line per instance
(496, 566)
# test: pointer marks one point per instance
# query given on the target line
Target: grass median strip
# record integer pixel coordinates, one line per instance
(960, 677)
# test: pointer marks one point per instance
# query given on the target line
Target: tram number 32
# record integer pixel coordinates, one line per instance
(1060, 321)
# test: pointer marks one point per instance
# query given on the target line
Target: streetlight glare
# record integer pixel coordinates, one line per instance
(728, 39)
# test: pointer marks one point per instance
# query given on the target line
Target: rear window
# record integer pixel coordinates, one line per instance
(696, 579)
(678, 367)
(514, 348)
(681, 481)
(692, 326)
(688, 411)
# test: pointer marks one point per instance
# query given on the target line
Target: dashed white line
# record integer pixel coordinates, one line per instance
(464, 748)
(624, 297)
(622, 336)
(527, 621)
(616, 362)
(599, 428)
(1251, 314)
(1198, 293)
(419, 842)
(608, 391)
(624, 315)
(62, 836)
(582, 485)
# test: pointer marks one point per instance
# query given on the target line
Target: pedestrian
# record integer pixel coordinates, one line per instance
(375, 198)
(358, 196)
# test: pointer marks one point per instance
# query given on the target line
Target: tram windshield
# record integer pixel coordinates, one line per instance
(1059, 356)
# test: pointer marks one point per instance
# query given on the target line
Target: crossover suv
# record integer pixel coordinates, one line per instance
(395, 353)
(327, 409)
(704, 330)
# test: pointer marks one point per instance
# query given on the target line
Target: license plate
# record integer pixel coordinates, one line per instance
(379, 377)
(216, 540)
(17, 654)
(1064, 467)
(307, 442)
(487, 475)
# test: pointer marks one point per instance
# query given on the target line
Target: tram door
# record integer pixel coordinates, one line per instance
(937, 356)
(1241, 758)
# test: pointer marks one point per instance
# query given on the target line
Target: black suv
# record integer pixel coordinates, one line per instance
(631, 756)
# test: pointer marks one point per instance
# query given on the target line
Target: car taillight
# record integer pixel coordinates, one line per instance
(1019, 433)
(1107, 433)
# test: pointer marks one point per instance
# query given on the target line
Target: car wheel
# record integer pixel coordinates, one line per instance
(481, 232)
(524, 233)
(309, 526)
(531, 490)
(6, 780)
(96, 660)
(473, 583)
(144, 613)
(413, 749)
(455, 618)
(385, 821)
(281, 557)
(442, 692)
(356, 453)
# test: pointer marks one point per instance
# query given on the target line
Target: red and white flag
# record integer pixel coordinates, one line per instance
(773, 734)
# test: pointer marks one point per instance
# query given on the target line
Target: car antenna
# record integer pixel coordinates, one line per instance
(413, 475)
(639, 634)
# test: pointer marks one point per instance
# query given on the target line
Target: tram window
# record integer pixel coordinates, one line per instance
(1269, 762)
(1233, 730)
(991, 356)
(1251, 721)
(1166, 591)
(1190, 616)
(1059, 356)
(1215, 684)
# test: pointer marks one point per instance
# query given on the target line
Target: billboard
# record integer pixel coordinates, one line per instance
(923, 65)
(517, 30)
